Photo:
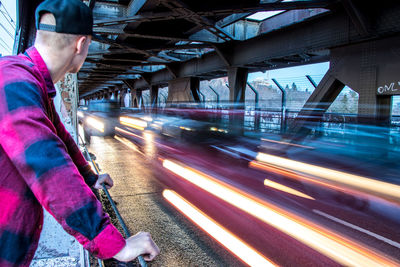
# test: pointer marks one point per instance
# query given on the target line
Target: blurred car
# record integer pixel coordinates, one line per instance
(189, 130)
(99, 118)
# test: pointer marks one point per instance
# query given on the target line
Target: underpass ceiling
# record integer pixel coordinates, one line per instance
(149, 42)
(143, 37)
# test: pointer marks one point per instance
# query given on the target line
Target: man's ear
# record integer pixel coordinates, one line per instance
(80, 44)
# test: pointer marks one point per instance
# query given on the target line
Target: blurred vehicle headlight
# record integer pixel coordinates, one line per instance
(215, 129)
(134, 123)
(148, 118)
(186, 128)
(98, 125)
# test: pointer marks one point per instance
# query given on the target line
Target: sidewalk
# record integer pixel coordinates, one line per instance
(56, 247)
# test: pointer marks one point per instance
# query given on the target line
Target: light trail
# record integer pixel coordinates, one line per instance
(127, 132)
(383, 189)
(286, 189)
(98, 125)
(242, 250)
(148, 137)
(297, 176)
(286, 143)
(331, 245)
(134, 123)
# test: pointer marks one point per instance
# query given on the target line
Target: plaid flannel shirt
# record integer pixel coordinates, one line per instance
(40, 165)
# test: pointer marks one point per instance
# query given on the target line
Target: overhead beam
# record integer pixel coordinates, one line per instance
(358, 18)
(300, 4)
(92, 3)
(327, 31)
(118, 31)
(201, 21)
(125, 46)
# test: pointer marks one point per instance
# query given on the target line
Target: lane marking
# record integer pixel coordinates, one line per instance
(334, 246)
(233, 243)
(286, 143)
(355, 227)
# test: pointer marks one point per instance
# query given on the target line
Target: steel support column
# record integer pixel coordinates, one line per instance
(154, 96)
(320, 100)
(122, 97)
(237, 78)
(184, 90)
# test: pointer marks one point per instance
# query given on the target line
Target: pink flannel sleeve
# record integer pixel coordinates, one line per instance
(29, 139)
(74, 152)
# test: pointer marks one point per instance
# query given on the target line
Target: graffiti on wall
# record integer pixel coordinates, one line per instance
(392, 88)
(66, 103)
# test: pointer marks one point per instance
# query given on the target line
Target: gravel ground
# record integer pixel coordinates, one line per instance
(139, 200)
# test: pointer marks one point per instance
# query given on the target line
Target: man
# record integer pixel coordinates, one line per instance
(40, 165)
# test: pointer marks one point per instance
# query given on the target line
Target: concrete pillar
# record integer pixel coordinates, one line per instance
(136, 99)
(371, 69)
(154, 96)
(317, 104)
(237, 78)
(107, 95)
(122, 97)
(115, 95)
(133, 102)
(184, 90)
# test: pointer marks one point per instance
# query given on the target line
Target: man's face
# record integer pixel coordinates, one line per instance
(81, 57)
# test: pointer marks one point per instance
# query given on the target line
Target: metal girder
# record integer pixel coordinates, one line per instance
(232, 19)
(135, 6)
(108, 71)
(181, 8)
(115, 31)
(183, 47)
(359, 19)
(126, 46)
(300, 4)
(328, 31)
(171, 70)
(137, 18)
(121, 67)
(92, 3)
(223, 55)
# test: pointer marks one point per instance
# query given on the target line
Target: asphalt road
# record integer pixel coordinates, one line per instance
(139, 199)
(137, 165)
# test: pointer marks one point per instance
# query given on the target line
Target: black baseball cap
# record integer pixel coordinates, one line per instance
(72, 16)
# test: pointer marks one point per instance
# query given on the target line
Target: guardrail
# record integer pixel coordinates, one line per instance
(127, 233)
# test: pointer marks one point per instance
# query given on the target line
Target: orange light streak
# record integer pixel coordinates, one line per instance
(98, 125)
(294, 175)
(134, 123)
(286, 189)
(339, 249)
(386, 190)
(242, 250)
(127, 132)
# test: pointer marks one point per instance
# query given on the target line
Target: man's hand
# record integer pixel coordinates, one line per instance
(104, 178)
(139, 244)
